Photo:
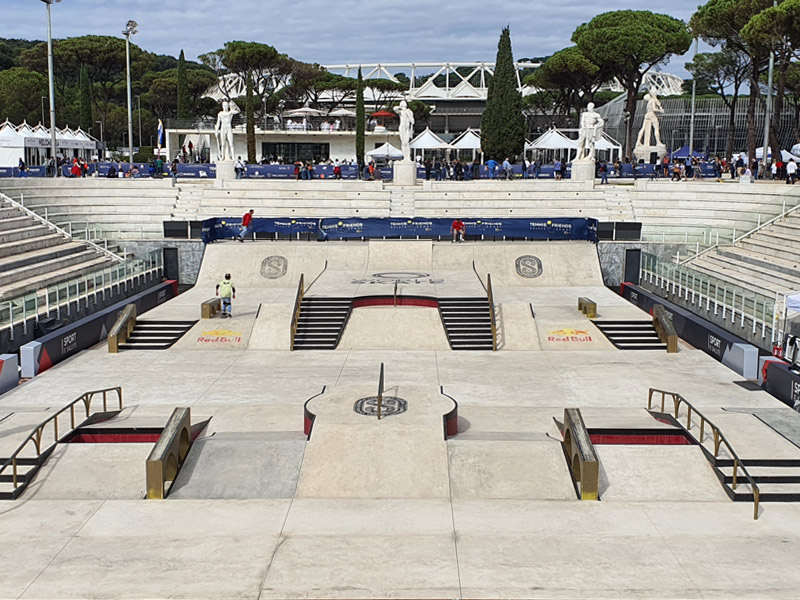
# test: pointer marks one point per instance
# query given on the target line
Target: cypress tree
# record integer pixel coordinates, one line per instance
(503, 124)
(360, 122)
(86, 120)
(251, 123)
(184, 104)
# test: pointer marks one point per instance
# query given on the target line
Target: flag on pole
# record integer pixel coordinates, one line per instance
(160, 135)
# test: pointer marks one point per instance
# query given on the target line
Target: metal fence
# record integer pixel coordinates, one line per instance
(711, 296)
(66, 296)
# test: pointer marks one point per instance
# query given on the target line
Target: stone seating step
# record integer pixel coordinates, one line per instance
(25, 258)
(11, 248)
(34, 283)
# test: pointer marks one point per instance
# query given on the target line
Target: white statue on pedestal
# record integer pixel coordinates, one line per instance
(650, 122)
(406, 130)
(591, 131)
(224, 130)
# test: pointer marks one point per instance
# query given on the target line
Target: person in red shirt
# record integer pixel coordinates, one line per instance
(247, 224)
(457, 228)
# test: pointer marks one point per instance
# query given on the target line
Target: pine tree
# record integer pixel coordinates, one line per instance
(360, 122)
(86, 120)
(184, 104)
(503, 124)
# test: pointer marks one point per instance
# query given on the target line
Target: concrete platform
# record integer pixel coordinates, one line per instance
(389, 509)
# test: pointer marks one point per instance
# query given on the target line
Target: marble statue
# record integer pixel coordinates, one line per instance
(650, 122)
(406, 130)
(591, 131)
(224, 130)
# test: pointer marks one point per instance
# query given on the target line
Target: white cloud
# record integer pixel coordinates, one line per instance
(328, 32)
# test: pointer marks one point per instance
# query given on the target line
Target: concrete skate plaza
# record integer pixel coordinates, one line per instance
(390, 509)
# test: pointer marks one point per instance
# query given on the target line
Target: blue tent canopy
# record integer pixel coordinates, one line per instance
(683, 152)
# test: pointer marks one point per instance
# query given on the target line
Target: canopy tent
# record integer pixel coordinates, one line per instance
(795, 150)
(469, 140)
(12, 145)
(304, 112)
(342, 112)
(683, 152)
(785, 154)
(793, 302)
(552, 139)
(386, 151)
(34, 144)
(427, 140)
(608, 143)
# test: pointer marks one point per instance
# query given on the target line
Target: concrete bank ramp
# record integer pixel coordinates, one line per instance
(353, 455)
(394, 328)
(241, 465)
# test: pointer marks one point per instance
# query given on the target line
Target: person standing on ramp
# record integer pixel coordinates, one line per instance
(247, 224)
(226, 291)
(457, 228)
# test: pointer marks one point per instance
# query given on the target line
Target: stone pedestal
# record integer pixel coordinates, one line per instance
(405, 172)
(645, 153)
(225, 172)
(583, 170)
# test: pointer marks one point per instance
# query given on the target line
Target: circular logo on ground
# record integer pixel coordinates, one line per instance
(391, 405)
(400, 275)
(274, 267)
(529, 266)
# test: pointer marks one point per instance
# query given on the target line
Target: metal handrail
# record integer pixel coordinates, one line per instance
(324, 268)
(490, 296)
(719, 437)
(380, 393)
(36, 435)
(296, 313)
(478, 276)
(757, 228)
(58, 229)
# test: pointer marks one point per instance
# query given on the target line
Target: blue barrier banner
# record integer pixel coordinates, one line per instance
(225, 228)
(337, 229)
(197, 171)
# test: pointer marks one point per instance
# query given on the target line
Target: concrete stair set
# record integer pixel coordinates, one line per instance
(156, 335)
(631, 335)
(33, 256)
(467, 323)
(321, 323)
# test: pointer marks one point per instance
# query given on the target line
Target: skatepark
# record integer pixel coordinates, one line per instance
(294, 488)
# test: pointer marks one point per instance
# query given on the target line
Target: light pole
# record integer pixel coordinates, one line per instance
(51, 82)
(102, 143)
(130, 29)
(694, 93)
(768, 106)
(139, 102)
(43, 118)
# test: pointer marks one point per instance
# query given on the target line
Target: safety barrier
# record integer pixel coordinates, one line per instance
(581, 455)
(717, 435)
(169, 453)
(210, 307)
(37, 436)
(664, 328)
(122, 328)
(588, 307)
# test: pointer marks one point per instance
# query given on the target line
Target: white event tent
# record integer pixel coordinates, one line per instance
(33, 144)
(386, 151)
(556, 142)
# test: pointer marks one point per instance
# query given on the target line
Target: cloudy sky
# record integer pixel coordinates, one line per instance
(329, 32)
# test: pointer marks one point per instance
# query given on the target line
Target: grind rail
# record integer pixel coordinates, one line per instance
(37, 436)
(718, 437)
